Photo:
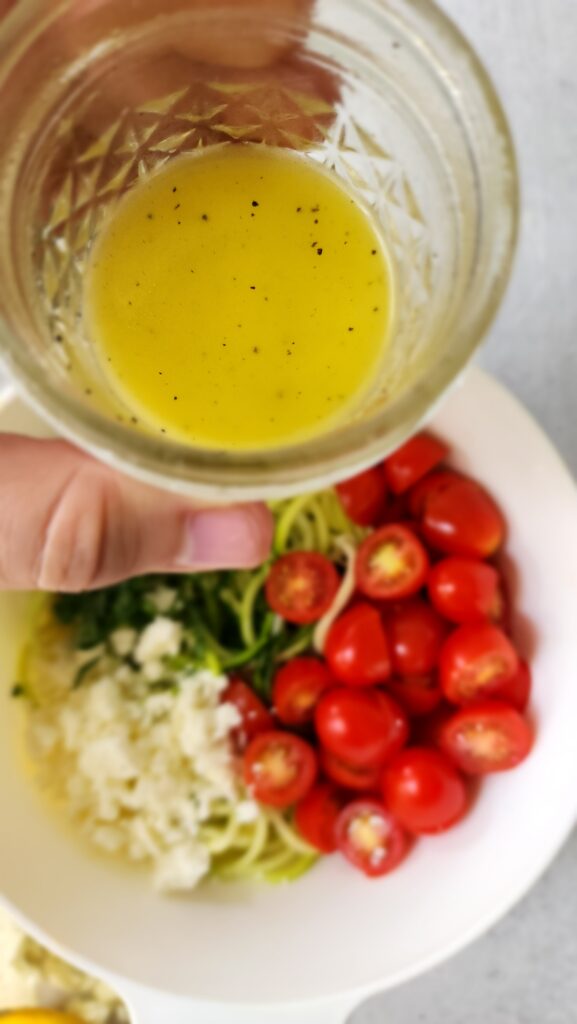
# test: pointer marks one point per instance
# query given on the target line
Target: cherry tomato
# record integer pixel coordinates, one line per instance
(417, 695)
(255, 716)
(364, 497)
(316, 816)
(416, 634)
(370, 838)
(350, 776)
(486, 737)
(476, 661)
(465, 590)
(301, 586)
(391, 563)
(279, 768)
(518, 689)
(411, 462)
(424, 791)
(297, 688)
(357, 649)
(363, 727)
(437, 480)
(460, 518)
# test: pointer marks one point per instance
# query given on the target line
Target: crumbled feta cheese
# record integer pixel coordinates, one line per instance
(247, 811)
(161, 638)
(141, 770)
(123, 641)
(181, 868)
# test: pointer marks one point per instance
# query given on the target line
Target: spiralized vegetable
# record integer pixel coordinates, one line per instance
(268, 847)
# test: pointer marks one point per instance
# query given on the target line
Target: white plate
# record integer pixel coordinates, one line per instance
(333, 933)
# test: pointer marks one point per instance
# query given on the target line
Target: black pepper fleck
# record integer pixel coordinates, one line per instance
(177, 207)
(351, 328)
(256, 349)
(320, 252)
(204, 216)
(315, 209)
(299, 209)
(150, 216)
(316, 220)
(253, 287)
(174, 189)
(254, 203)
(373, 252)
(162, 430)
(375, 309)
(58, 337)
(175, 398)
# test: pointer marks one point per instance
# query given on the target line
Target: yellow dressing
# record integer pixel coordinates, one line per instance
(38, 1017)
(240, 298)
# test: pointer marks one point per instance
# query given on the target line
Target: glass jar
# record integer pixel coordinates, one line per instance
(96, 94)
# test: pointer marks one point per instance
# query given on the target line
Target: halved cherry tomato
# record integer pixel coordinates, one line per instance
(391, 563)
(424, 791)
(301, 586)
(279, 768)
(316, 816)
(364, 497)
(357, 649)
(370, 838)
(255, 716)
(297, 687)
(411, 462)
(465, 590)
(460, 518)
(487, 737)
(436, 480)
(350, 776)
(518, 689)
(476, 662)
(417, 695)
(416, 634)
(363, 727)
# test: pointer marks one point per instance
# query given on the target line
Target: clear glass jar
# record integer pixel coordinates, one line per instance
(387, 93)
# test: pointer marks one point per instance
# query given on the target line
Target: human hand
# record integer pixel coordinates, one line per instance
(69, 523)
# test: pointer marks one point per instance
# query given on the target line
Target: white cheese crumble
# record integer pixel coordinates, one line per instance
(140, 771)
(161, 639)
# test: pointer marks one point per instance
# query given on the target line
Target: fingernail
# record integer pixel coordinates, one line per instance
(226, 538)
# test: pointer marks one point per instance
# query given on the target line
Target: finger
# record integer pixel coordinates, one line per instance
(68, 523)
(257, 43)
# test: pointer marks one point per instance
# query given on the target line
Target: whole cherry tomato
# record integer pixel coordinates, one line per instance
(363, 727)
(412, 461)
(357, 649)
(424, 791)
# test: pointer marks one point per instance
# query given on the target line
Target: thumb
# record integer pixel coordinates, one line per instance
(69, 523)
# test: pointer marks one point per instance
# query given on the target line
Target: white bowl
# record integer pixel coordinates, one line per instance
(310, 950)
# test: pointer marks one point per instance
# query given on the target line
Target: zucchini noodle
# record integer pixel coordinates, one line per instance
(267, 847)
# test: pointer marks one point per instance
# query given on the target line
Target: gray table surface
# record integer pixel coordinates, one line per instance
(525, 970)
